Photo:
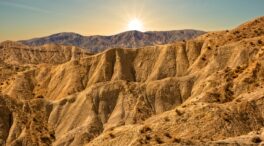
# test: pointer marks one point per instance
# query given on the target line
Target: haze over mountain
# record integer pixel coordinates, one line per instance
(129, 39)
(204, 91)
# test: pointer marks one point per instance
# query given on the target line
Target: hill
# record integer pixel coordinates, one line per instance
(203, 91)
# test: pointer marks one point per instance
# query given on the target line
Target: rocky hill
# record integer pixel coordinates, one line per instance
(204, 91)
(129, 39)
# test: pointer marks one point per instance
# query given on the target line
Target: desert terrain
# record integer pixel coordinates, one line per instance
(204, 90)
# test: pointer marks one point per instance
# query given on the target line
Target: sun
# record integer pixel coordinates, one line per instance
(135, 24)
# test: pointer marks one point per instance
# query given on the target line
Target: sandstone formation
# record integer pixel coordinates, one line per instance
(203, 91)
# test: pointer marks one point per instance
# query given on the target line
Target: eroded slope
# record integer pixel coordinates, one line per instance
(204, 91)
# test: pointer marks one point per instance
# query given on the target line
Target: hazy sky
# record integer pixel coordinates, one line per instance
(24, 19)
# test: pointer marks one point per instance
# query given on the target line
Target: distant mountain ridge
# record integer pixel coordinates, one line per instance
(129, 39)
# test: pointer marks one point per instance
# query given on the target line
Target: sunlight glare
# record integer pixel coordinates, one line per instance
(135, 24)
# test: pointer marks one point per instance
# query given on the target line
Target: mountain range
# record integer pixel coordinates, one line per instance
(129, 39)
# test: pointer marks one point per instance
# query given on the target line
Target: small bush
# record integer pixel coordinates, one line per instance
(256, 140)
(178, 112)
(111, 135)
(145, 129)
(45, 140)
(236, 32)
(168, 135)
(176, 140)
(40, 96)
(148, 137)
(158, 140)
(52, 135)
(166, 119)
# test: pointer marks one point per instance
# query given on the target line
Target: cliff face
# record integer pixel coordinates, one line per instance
(204, 91)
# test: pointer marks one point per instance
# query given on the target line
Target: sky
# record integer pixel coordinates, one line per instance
(25, 19)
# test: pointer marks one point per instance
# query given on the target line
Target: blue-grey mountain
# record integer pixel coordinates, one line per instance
(129, 39)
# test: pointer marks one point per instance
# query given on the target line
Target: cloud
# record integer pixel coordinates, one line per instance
(23, 6)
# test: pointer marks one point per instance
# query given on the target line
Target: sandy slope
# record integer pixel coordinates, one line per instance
(204, 91)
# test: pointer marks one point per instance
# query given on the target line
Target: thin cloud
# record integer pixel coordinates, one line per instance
(23, 6)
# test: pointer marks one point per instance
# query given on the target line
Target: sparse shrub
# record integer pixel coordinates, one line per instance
(236, 32)
(259, 42)
(257, 85)
(71, 100)
(148, 137)
(238, 100)
(63, 102)
(227, 69)
(141, 141)
(176, 140)
(40, 96)
(145, 129)
(111, 129)
(227, 120)
(111, 135)
(52, 135)
(256, 139)
(168, 135)
(248, 80)
(178, 112)
(35, 120)
(203, 58)
(166, 119)
(158, 140)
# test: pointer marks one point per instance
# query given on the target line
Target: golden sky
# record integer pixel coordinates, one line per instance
(24, 19)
